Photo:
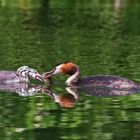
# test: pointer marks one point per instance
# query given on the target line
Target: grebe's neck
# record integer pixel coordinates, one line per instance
(73, 79)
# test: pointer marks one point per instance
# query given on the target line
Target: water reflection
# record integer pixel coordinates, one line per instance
(92, 116)
(26, 89)
(119, 4)
(22, 89)
(65, 100)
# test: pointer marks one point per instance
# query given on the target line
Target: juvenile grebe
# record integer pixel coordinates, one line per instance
(109, 81)
(21, 75)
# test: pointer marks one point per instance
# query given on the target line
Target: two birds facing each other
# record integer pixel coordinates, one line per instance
(71, 69)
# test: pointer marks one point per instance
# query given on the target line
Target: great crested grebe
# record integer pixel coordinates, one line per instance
(21, 75)
(73, 71)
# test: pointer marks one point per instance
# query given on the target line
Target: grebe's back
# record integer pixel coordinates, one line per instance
(108, 81)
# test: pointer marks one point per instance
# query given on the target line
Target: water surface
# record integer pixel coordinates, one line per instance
(102, 37)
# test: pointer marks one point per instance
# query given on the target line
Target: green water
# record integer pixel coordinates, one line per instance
(101, 37)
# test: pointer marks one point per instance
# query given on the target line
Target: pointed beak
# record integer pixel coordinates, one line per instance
(48, 75)
(39, 77)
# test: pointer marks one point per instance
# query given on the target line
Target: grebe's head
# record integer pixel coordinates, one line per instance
(26, 71)
(23, 70)
(35, 74)
(66, 68)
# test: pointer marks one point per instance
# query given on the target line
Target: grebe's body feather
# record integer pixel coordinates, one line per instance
(107, 81)
(11, 76)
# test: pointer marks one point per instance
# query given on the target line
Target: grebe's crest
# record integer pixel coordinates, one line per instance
(65, 68)
(69, 68)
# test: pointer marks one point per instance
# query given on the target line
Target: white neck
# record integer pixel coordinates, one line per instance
(73, 79)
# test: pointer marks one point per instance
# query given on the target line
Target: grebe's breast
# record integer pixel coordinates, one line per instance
(109, 81)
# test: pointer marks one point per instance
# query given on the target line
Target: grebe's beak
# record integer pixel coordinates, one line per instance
(39, 77)
(49, 74)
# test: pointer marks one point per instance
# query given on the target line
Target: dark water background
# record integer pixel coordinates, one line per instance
(102, 37)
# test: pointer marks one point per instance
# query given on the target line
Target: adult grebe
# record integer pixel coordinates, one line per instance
(73, 70)
(21, 75)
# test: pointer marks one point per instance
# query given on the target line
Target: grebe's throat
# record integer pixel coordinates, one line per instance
(73, 79)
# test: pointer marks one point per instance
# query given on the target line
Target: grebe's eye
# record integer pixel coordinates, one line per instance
(36, 72)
